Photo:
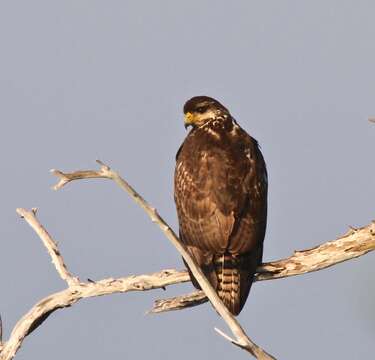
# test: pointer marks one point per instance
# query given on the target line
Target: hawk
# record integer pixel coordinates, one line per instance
(220, 190)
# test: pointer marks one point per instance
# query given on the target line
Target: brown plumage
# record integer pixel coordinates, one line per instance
(221, 199)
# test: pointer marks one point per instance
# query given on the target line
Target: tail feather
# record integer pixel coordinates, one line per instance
(229, 281)
(230, 275)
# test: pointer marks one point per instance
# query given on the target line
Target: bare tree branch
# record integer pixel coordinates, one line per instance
(76, 290)
(50, 244)
(242, 340)
(66, 298)
(181, 302)
(355, 243)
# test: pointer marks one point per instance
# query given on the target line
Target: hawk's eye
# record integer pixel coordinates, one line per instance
(201, 109)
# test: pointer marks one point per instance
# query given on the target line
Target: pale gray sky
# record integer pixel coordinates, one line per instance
(81, 80)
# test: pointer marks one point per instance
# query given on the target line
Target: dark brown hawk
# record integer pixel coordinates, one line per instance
(221, 199)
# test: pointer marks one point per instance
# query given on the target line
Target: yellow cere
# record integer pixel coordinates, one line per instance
(189, 118)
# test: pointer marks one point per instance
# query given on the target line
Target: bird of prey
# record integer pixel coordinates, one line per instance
(220, 190)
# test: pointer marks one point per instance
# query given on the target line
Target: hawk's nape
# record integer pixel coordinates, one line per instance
(221, 199)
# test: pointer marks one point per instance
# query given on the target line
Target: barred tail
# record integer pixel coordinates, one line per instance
(233, 281)
(230, 275)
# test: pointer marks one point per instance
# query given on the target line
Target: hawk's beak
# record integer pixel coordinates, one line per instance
(189, 119)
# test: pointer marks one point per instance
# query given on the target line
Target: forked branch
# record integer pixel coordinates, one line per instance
(241, 338)
(76, 290)
(355, 243)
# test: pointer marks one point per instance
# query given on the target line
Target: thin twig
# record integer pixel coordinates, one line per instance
(238, 332)
(227, 337)
(179, 302)
(84, 174)
(50, 244)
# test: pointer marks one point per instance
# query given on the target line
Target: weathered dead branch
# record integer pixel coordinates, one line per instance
(355, 243)
(76, 290)
(241, 338)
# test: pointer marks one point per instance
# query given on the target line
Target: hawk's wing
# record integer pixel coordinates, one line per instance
(206, 203)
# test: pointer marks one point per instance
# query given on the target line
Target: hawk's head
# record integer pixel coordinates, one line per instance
(200, 109)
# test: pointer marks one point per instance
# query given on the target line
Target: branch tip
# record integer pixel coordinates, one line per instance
(21, 212)
(102, 165)
(63, 179)
(58, 173)
(223, 334)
